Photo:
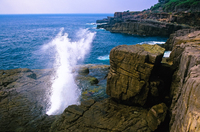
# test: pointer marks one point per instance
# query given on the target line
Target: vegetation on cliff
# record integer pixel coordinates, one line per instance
(177, 5)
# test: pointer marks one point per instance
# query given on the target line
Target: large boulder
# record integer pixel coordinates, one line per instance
(130, 71)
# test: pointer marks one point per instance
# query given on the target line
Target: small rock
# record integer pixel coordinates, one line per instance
(156, 115)
(93, 80)
(83, 70)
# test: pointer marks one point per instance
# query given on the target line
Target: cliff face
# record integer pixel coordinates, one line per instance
(184, 85)
(185, 88)
(143, 27)
(140, 23)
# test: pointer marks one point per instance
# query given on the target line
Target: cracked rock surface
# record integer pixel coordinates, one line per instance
(105, 115)
(131, 68)
(185, 88)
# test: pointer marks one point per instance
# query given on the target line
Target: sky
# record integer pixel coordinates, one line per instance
(72, 6)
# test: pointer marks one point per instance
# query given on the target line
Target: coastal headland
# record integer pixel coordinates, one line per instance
(140, 90)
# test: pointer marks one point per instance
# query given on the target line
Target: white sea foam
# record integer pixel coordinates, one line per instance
(101, 29)
(105, 57)
(152, 42)
(167, 54)
(91, 23)
(64, 90)
(101, 23)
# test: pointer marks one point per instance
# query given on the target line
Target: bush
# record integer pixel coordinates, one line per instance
(156, 6)
(172, 4)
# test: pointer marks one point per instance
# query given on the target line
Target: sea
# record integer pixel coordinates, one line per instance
(47, 40)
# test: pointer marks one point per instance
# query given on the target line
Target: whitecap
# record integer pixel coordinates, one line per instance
(152, 42)
(101, 23)
(167, 54)
(91, 24)
(105, 57)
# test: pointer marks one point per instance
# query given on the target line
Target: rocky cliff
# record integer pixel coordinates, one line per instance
(183, 72)
(155, 21)
(185, 86)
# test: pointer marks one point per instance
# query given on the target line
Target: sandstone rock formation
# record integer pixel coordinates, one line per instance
(131, 68)
(103, 116)
(185, 85)
(173, 37)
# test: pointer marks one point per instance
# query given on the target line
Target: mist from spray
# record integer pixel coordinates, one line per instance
(64, 91)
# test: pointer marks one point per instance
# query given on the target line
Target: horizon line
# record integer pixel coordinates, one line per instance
(50, 13)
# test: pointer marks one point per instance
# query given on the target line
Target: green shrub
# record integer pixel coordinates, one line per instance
(172, 4)
(156, 6)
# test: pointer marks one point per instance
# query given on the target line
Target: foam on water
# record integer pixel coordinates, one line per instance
(91, 23)
(105, 57)
(152, 42)
(64, 91)
(167, 54)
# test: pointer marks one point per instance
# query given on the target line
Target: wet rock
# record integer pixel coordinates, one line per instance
(93, 80)
(131, 68)
(83, 70)
(93, 85)
(40, 124)
(22, 98)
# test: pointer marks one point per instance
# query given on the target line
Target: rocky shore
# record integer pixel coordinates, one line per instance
(141, 91)
(159, 20)
(144, 94)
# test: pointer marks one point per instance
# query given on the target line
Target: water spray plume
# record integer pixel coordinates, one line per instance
(64, 90)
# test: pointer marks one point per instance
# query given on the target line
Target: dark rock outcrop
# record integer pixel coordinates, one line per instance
(143, 27)
(131, 68)
(24, 96)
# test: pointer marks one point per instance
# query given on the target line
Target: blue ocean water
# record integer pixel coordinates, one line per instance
(22, 38)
